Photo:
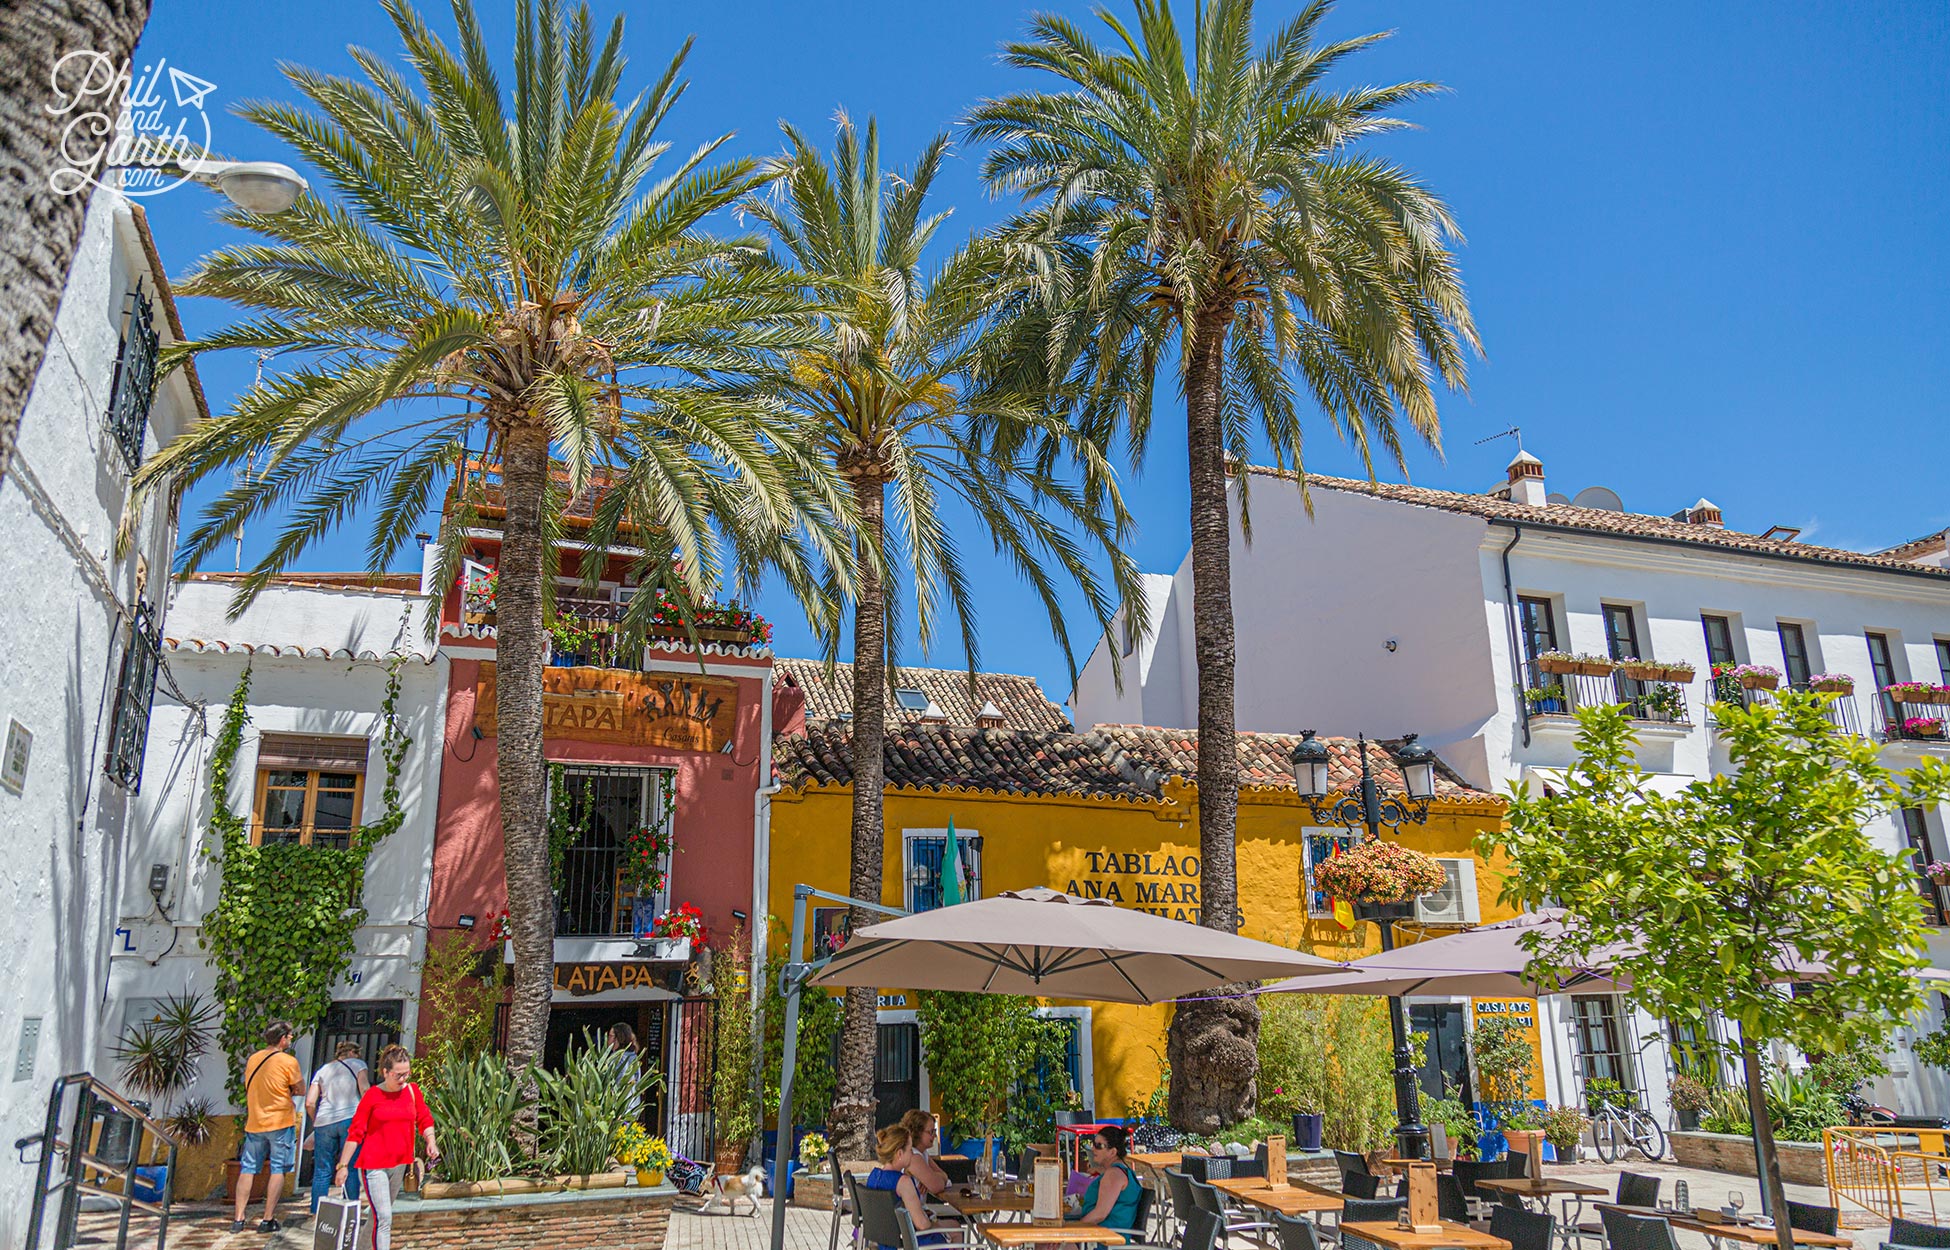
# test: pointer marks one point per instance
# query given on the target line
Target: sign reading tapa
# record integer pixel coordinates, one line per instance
(678, 711)
(621, 974)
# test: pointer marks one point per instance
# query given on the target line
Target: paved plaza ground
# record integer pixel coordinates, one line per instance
(203, 1227)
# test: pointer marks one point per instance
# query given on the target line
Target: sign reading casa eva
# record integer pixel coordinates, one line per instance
(677, 711)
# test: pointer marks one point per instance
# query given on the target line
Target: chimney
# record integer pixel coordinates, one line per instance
(1705, 512)
(990, 717)
(1527, 480)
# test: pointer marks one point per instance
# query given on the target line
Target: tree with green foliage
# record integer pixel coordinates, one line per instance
(1213, 201)
(990, 1061)
(1330, 1053)
(508, 277)
(892, 401)
(1506, 1064)
(1713, 899)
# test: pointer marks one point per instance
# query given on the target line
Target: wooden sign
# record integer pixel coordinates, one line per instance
(1048, 1201)
(1536, 1154)
(1276, 1162)
(621, 974)
(675, 710)
(1423, 1214)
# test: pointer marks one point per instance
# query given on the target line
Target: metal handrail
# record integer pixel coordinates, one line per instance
(82, 1167)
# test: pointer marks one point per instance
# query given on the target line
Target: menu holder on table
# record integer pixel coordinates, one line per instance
(1537, 1156)
(1276, 1163)
(1424, 1216)
(1048, 1202)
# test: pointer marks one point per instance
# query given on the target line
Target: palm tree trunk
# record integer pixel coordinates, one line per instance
(39, 233)
(1213, 1045)
(853, 1099)
(520, 656)
(1767, 1159)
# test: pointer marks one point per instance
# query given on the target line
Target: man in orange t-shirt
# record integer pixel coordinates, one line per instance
(272, 1085)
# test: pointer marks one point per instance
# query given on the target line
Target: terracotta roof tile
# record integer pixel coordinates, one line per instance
(386, 583)
(1115, 761)
(1020, 699)
(1599, 521)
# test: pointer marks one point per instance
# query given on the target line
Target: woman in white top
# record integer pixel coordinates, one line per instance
(334, 1095)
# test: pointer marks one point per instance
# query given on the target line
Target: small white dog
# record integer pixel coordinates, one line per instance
(729, 1187)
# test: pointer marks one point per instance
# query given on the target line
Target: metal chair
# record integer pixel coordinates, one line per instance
(1524, 1230)
(958, 1171)
(1449, 1201)
(1517, 1165)
(1178, 1188)
(1904, 1232)
(1295, 1232)
(1207, 1198)
(1468, 1171)
(911, 1240)
(1348, 1161)
(844, 1204)
(1141, 1221)
(880, 1216)
(1201, 1232)
(1625, 1231)
(1207, 1168)
(1811, 1217)
(1357, 1211)
(1634, 1190)
(1360, 1185)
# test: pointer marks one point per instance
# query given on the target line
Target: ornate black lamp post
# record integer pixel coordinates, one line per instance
(1368, 809)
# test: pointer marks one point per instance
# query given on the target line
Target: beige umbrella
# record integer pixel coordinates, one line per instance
(1488, 961)
(1046, 942)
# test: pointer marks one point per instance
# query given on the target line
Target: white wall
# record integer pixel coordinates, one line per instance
(66, 595)
(338, 690)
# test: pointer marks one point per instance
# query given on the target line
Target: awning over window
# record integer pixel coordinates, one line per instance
(312, 751)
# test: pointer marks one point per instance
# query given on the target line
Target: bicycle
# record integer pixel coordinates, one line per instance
(1619, 1124)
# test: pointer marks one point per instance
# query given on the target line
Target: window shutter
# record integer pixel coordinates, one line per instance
(312, 751)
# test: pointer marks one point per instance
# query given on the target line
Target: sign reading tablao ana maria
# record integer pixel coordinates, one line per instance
(677, 711)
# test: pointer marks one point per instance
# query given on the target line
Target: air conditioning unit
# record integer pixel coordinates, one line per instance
(1455, 902)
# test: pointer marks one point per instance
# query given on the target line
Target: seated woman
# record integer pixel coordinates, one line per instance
(892, 1147)
(918, 1164)
(1111, 1201)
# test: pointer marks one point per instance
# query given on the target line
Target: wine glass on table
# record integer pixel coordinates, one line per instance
(1736, 1200)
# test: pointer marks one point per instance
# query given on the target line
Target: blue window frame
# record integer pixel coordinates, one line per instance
(1320, 847)
(925, 852)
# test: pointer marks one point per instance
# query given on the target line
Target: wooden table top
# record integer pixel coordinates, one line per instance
(1537, 1187)
(1055, 1233)
(1158, 1159)
(1453, 1236)
(1746, 1234)
(1287, 1199)
(1441, 1165)
(969, 1201)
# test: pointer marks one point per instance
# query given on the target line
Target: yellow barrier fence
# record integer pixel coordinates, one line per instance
(1891, 1173)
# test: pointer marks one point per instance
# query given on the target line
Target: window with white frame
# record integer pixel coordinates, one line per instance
(1320, 845)
(924, 855)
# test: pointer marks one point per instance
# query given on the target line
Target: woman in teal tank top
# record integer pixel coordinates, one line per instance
(1111, 1201)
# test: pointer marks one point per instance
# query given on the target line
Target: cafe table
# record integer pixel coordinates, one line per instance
(1160, 1159)
(1053, 1232)
(1289, 1199)
(1718, 1234)
(1541, 1189)
(1453, 1236)
(969, 1201)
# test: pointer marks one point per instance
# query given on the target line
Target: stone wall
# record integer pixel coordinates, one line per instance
(615, 1219)
(1801, 1162)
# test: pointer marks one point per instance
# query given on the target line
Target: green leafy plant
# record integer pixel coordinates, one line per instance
(1459, 1123)
(281, 931)
(191, 1123)
(975, 1044)
(476, 1098)
(1664, 701)
(1564, 1128)
(819, 1030)
(1846, 1069)
(1726, 1111)
(1933, 1048)
(1688, 1093)
(1506, 1066)
(1332, 1055)
(158, 1058)
(1605, 1092)
(733, 1099)
(456, 1005)
(1537, 696)
(581, 1106)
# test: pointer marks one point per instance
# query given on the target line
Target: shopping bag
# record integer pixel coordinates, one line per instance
(336, 1226)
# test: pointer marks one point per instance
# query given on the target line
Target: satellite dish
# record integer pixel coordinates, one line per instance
(1557, 496)
(1604, 499)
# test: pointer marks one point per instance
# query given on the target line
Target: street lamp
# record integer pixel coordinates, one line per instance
(1368, 809)
(262, 187)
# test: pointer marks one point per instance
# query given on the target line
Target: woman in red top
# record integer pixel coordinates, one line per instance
(381, 1137)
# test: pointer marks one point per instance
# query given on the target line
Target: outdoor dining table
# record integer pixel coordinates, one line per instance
(969, 1201)
(1717, 1235)
(1453, 1236)
(1292, 1199)
(1160, 1159)
(1054, 1232)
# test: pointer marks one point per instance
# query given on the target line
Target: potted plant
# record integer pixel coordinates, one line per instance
(650, 1156)
(1678, 671)
(1726, 687)
(1687, 1095)
(1596, 665)
(1072, 1109)
(1381, 879)
(1641, 670)
(1756, 676)
(1545, 700)
(1923, 727)
(1506, 1067)
(733, 1097)
(1559, 662)
(159, 1059)
(813, 1149)
(1563, 1128)
(1917, 692)
(477, 598)
(1832, 683)
(1663, 702)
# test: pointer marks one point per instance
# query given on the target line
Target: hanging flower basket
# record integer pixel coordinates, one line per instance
(1379, 872)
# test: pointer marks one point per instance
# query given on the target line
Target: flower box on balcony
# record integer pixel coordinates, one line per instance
(1757, 676)
(1918, 692)
(479, 618)
(1832, 683)
(1655, 670)
(1581, 665)
(720, 634)
(1923, 727)
(1556, 663)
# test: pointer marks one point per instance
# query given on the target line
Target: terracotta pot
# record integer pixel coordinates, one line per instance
(232, 1171)
(1758, 681)
(1596, 668)
(729, 1159)
(1557, 666)
(1834, 687)
(1643, 670)
(1678, 675)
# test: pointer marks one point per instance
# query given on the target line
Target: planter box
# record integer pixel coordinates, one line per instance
(1596, 668)
(1559, 667)
(1801, 1162)
(1833, 687)
(1759, 681)
(632, 1218)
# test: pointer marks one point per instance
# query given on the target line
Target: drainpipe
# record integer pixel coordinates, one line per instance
(1510, 620)
(762, 829)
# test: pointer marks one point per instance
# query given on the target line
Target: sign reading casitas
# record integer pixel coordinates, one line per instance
(678, 711)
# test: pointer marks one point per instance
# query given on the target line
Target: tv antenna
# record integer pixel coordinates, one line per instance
(1512, 432)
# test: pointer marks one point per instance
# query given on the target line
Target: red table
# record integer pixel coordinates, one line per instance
(1067, 1150)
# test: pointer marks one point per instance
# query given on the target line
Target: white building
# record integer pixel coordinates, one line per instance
(83, 574)
(1401, 609)
(310, 769)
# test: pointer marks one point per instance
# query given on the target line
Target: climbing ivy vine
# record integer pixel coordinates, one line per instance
(281, 931)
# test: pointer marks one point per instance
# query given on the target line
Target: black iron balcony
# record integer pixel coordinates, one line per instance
(1564, 694)
(1842, 711)
(1913, 715)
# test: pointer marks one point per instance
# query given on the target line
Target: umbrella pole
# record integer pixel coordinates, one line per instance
(791, 978)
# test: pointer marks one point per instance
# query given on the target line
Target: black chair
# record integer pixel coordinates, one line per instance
(1348, 1161)
(1449, 1201)
(1178, 1187)
(1637, 1190)
(1468, 1171)
(1356, 1211)
(880, 1216)
(1625, 1231)
(958, 1171)
(1296, 1232)
(1141, 1221)
(1524, 1230)
(1255, 1166)
(910, 1240)
(1904, 1232)
(1811, 1217)
(1201, 1232)
(1207, 1168)
(1517, 1165)
(1360, 1185)
(844, 1207)
(1207, 1198)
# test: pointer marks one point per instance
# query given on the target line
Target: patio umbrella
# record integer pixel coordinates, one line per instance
(1046, 942)
(1489, 961)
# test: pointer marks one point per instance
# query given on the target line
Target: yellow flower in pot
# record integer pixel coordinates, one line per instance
(650, 1156)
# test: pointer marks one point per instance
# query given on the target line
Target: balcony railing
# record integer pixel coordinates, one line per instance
(1563, 694)
(1901, 721)
(1842, 711)
(593, 901)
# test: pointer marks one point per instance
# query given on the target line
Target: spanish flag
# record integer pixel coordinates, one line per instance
(1343, 910)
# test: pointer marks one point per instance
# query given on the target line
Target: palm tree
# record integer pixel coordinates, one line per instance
(503, 270)
(891, 400)
(1212, 200)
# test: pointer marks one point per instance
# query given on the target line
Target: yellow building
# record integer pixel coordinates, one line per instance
(1111, 813)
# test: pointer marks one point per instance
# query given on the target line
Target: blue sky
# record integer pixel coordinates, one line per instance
(1706, 243)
